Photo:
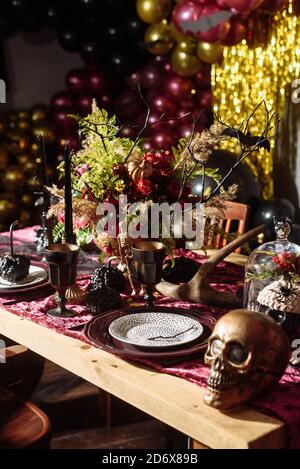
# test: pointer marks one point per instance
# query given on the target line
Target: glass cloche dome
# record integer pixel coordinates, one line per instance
(274, 265)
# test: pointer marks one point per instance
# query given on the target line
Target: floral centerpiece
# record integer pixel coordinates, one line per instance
(109, 166)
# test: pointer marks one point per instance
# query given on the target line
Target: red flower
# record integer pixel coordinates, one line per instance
(159, 159)
(165, 170)
(153, 158)
(285, 261)
(61, 217)
(144, 186)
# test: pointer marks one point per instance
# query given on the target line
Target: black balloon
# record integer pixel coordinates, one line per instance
(135, 28)
(91, 52)
(104, 32)
(197, 184)
(114, 34)
(53, 16)
(87, 6)
(295, 234)
(118, 64)
(249, 187)
(68, 39)
(276, 208)
(6, 26)
(19, 7)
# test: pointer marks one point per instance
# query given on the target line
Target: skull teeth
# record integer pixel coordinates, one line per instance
(220, 381)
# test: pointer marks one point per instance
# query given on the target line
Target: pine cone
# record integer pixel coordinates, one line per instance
(13, 268)
(102, 299)
(108, 276)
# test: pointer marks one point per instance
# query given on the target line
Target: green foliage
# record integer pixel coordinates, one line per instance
(101, 150)
(58, 231)
(84, 237)
(179, 149)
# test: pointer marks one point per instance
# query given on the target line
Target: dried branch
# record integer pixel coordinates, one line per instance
(245, 148)
(145, 123)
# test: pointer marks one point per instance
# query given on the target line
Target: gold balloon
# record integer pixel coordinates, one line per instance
(30, 167)
(24, 114)
(177, 35)
(16, 142)
(184, 64)
(13, 178)
(153, 11)
(8, 210)
(209, 53)
(23, 124)
(158, 38)
(46, 130)
(39, 113)
(27, 199)
(12, 116)
(34, 148)
(4, 158)
(23, 159)
(13, 125)
(188, 45)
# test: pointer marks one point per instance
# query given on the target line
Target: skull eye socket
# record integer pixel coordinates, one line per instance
(216, 347)
(237, 354)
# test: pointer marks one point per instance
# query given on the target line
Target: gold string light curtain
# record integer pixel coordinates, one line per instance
(251, 73)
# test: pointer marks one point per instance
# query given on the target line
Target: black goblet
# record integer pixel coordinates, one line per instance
(149, 257)
(62, 262)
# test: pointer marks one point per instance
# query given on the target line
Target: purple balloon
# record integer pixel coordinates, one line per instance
(151, 77)
(164, 105)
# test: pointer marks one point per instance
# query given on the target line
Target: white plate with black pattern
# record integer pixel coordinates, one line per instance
(155, 329)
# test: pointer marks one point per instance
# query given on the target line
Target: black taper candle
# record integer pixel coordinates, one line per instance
(44, 174)
(69, 236)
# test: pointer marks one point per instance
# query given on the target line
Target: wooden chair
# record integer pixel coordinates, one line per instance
(22, 424)
(236, 214)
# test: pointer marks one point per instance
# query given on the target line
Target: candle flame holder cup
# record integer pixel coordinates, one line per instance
(148, 257)
(62, 263)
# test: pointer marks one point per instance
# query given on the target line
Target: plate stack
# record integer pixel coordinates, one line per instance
(151, 332)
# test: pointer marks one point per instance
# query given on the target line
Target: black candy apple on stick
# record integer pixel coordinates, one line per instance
(14, 267)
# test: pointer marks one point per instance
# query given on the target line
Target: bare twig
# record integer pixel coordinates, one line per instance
(145, 123)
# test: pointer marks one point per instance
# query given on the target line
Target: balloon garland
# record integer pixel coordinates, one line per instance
(82, 85)
(94, 29)
(173, 101)
(196, 30)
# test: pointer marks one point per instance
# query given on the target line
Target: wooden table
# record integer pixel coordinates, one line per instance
(172, 400)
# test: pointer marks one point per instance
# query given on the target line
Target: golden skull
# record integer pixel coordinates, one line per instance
(248, 353)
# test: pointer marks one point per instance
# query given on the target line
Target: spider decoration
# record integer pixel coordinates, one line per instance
(285, 292)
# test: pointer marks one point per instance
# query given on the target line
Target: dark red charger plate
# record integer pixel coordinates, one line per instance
(96, 331)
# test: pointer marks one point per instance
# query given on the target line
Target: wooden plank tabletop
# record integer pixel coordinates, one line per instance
(172, 400)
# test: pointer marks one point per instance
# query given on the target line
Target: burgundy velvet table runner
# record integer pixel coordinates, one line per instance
(283, 402)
